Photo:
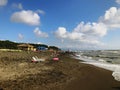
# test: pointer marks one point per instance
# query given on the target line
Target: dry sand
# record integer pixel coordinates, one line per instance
(18, 73)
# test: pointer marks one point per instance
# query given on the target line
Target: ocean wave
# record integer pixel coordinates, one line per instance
(115, 68)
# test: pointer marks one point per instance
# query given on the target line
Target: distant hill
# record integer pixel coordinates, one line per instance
(13, 45)
(54, 48)
(8, 45)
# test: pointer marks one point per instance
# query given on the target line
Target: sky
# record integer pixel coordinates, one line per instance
(68, 24)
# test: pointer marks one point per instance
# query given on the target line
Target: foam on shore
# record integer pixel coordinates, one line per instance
(115, 68)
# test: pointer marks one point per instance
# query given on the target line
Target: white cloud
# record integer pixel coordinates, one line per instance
(19, 5)
(61, 32)
(20, 36)
(112, 18)
(40, 11)
(3, 2)
(92, 29)
(89, 34)
(78, 36)
(118, 1)
(27, 17)
(39, 33)
(39, 43)
(110, 13)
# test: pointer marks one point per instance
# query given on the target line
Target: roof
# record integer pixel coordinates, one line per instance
(25, 45)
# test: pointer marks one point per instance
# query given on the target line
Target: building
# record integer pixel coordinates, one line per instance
(41, 48)
(26, 47)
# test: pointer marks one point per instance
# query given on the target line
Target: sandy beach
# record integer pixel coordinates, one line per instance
(19, 73)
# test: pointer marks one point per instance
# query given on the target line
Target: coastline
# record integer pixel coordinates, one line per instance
(91, 77)
(65, 74)
(94, 78)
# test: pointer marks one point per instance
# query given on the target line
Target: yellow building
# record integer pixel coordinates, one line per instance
(26, 47)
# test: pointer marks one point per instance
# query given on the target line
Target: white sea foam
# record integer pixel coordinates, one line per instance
(115, 68)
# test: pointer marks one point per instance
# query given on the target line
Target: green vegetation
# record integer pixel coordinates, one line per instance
(54, 48)
(8, 45)
(13, 45)
(37, 45)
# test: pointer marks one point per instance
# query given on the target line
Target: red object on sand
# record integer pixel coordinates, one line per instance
(55, 59)
(33, 61)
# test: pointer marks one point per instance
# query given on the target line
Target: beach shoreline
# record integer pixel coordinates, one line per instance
(66, 74)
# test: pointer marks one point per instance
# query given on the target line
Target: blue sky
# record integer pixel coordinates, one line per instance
(77, 24)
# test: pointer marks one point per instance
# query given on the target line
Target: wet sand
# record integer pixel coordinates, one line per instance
(93, 78)
(65, 74)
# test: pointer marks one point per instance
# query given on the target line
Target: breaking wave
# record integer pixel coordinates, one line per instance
(115, 68)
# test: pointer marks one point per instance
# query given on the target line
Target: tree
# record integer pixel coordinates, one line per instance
(54, 48)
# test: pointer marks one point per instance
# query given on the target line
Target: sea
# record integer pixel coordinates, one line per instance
(107, 59)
